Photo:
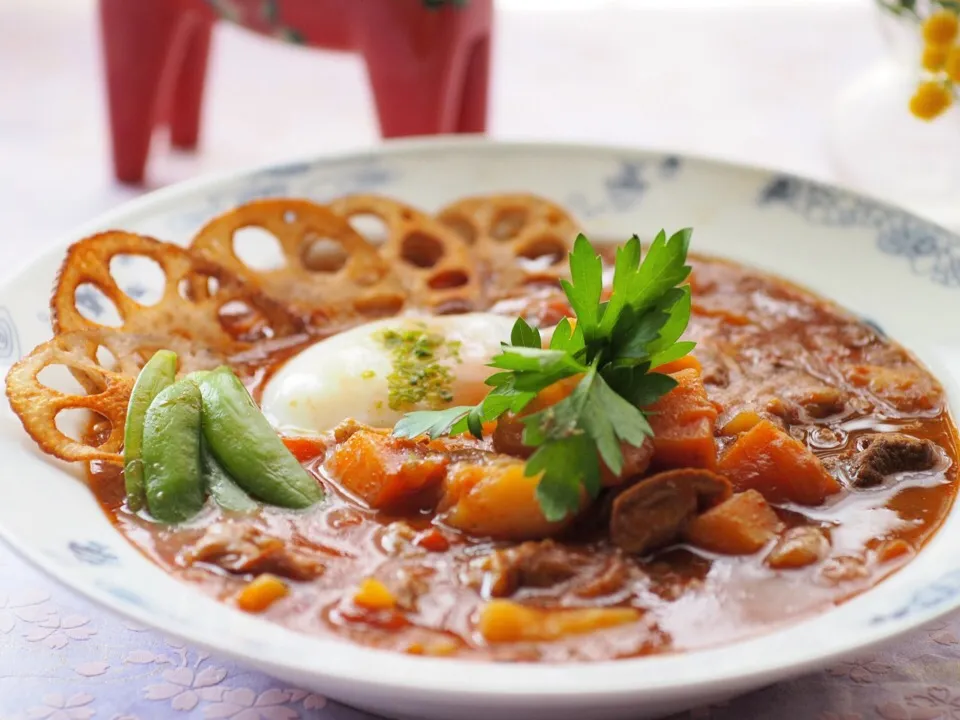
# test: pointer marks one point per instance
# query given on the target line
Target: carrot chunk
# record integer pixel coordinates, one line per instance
(507, 621)
(768, 460)
(741, 422)
(740, 525)
(261, 592)
(383, 471)
(683, 422)
(687, 362)
(374, 595)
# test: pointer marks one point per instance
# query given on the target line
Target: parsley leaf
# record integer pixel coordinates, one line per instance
(585, 286)
(614, 348)
(523, 335)
(568, 466)
(429, 422)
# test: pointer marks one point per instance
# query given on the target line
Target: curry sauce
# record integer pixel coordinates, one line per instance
(767, 352)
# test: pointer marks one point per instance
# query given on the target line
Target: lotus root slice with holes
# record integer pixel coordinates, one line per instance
(521, 240)
(200, 301)
(107, 386)
(329, 273)
(436, 266)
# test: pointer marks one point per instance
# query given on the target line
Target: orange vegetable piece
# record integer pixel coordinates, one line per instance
(507, 621)
(687, 362)
(432, 539)
(261, 592)
(768, 460)
(684, 421)
(383, 470)
(374, 595)
(495, 499)
(894, 550)
(741, 422)
(799, 547)
(740, 525)
(907, 388)
(305, 448)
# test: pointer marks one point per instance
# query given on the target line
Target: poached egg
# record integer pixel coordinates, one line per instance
(378, 371)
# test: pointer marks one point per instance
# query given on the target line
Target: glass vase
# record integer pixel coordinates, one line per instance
(879, 148)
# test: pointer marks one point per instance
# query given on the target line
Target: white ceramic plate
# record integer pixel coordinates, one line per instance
(895, 269)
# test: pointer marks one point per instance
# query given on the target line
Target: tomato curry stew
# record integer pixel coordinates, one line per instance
(480, 436)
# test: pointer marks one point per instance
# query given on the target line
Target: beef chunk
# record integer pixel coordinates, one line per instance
(536, 564)
(885, 454)
(656, 510)
(242, 549)
(546, 564)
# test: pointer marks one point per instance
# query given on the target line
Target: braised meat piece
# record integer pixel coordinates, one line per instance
(545, 564)
(884, 454)
(242, 549)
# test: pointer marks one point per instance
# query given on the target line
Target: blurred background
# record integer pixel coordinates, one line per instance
(781, 83)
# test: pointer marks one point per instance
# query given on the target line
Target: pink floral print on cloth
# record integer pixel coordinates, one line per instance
(63, 659)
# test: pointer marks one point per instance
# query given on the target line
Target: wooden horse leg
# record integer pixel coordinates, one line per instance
(186, 111)
(139, 39)
(417, 63)
(475, 89)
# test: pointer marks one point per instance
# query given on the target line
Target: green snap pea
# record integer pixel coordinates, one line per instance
(159, 372)
(248, 448)
(172, 470)
(224, 490)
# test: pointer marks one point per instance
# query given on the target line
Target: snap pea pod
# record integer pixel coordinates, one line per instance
(172, 470)
(247, 446)
(224, 490)
(158, 372)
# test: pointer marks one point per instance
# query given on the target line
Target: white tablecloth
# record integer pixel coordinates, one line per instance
(738, 79)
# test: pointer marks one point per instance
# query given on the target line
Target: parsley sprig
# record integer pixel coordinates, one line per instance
(612, 347)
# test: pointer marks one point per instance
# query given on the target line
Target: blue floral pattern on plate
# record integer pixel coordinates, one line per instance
(931, 251)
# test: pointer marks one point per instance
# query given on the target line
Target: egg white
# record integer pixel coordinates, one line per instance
(345, 376)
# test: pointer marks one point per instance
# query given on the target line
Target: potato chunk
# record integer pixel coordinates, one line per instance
(495, 499)
(740, 525)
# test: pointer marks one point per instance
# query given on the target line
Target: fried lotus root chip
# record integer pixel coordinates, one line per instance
(436, 266)
(329, 271)
(107, 381)
(200, 301)
(520, 239)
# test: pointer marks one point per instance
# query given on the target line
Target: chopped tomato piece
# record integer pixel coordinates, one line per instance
(432, 540)
(683, 422)
(383, 470)
(740, 525)
(768, 460)
(305, 448)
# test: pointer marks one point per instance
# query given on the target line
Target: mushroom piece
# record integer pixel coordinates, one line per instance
(654, 512)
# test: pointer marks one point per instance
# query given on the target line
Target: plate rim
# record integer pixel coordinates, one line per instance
(433, 675)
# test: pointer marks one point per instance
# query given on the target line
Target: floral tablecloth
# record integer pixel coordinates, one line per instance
(61, 658)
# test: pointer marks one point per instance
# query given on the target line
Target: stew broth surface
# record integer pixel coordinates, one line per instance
(765, 346)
